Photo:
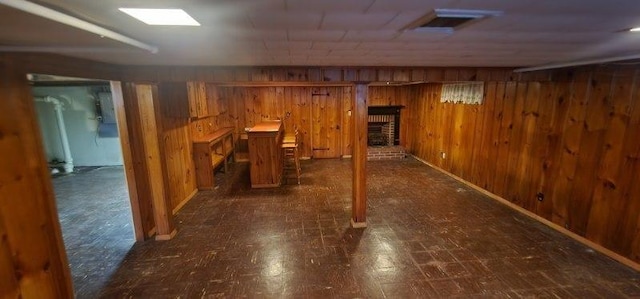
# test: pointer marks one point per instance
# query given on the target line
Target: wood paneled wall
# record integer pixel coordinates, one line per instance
(176, 142)
(319, 113)
(574, 140)
(33, 262)
(279, 76)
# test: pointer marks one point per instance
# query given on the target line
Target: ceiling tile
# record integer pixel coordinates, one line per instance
(278, 45)
(328, 5)
(285, 20)
(335, 45)
(371, 35)
(341, 32)
(316, 35)
(356, 21)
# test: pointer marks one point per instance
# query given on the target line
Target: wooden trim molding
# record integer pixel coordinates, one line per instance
(359, 160)
(127, 157)
(185, 201)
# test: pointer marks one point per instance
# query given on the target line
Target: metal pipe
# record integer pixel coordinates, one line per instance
(66, 151)
(59, 17)
(576, 63)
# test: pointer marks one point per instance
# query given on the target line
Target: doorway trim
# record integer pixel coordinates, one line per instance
(127, 158)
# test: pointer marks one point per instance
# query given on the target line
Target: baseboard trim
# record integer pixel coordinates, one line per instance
(184, 202)
(150, 233)
(358, 224)
(597, 247)
(167, 236)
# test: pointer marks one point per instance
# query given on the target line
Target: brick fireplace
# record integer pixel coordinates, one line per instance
(383, 133)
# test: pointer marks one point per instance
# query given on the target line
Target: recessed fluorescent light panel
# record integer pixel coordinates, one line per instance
(448, 20)
(156, 16)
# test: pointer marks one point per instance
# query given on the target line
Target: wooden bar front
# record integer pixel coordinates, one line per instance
(265, 154)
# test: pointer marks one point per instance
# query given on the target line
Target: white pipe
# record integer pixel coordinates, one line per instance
(57, 107)
(576, 63)
(59, 17)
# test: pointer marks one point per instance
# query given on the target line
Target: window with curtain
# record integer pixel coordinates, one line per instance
(462, 92)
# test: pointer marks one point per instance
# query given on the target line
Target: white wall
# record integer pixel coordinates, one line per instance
(79, 112)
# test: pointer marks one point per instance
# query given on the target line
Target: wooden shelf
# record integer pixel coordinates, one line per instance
(209, 152)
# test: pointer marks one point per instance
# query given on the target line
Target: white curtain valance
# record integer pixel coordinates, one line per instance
(465, 93)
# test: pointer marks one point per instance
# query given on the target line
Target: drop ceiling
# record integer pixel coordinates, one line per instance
(335, 33)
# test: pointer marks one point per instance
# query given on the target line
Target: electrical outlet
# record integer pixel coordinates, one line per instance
(540, 196)
(443, 155)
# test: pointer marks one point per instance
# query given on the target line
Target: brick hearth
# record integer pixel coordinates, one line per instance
(386, 153)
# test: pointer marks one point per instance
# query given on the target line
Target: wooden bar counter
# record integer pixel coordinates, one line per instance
(265, 154)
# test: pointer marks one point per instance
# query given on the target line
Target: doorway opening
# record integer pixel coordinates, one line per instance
(80, 138)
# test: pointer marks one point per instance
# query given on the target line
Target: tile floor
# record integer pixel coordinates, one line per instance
(428, 236)
(95, 216)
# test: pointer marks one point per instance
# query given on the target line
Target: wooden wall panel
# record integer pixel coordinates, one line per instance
(175, 139)
(347, 118)
(575, 141)
(293, 105)
(134, 125)
(242, 107)
(157, 173)
(127, 157)
(326, 108)
(33, 263)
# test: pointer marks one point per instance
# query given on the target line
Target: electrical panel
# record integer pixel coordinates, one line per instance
(106, 115)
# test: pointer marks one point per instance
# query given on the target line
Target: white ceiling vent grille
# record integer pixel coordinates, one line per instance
(449, 20)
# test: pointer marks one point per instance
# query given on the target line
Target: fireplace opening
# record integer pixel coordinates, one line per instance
(383, 126)
(376, 137)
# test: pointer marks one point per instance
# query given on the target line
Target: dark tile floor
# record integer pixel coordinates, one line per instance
(428, 236)
(95, 216)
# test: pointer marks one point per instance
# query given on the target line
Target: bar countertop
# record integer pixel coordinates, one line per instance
(266, 126)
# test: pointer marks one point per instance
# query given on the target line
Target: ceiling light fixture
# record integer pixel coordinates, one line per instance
(447, 20)
(636, 29)
(59, 17)
(161, 16)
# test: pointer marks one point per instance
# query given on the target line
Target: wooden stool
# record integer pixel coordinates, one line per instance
(291, 155)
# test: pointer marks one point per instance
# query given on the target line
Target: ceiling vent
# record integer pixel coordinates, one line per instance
(449, 20)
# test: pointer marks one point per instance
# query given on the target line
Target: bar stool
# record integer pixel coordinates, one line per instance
(291, 155)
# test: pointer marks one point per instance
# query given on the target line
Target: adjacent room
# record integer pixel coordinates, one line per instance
(80, 139)
(319, 149)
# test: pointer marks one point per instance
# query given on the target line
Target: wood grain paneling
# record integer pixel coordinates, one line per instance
(155, 151)
(574, 141)
(127, 157)
(359, 167)
(175, 140)
(135, 130)
(33, 263)
(326, 112)
(248, 106)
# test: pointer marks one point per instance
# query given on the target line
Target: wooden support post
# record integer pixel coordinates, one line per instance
(359, 133)
(33, 263)
(148, 108)
(127, 157)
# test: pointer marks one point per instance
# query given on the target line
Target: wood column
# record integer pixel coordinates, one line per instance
(156, 173)
(359, 168)
(33, 263)
(127, 157)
